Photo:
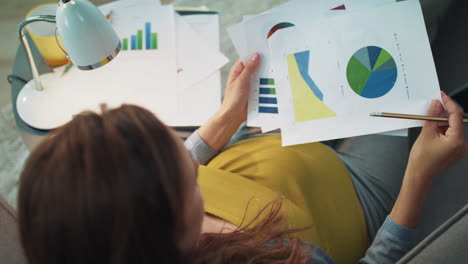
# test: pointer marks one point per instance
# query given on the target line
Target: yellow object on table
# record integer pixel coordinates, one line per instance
(43, 35)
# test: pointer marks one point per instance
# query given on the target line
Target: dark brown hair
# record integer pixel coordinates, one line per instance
(106, 188)
(264, 240)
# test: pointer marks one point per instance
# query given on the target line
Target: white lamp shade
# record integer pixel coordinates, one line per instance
(88, 37)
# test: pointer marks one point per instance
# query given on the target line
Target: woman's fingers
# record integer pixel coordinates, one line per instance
(436, 110)
(250, 68)
(239, 70)
(456, 130)
(236, 70)
(455, 115)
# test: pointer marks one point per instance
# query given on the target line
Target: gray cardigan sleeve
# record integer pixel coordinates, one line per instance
(200, 151)
(391, 243)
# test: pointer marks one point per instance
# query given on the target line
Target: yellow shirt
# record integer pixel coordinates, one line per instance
(316, 186)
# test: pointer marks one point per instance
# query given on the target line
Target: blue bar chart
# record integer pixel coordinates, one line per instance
(268, 102)
(146, 36)
(133, 42)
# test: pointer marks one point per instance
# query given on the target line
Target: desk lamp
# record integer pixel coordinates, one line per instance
(89, 40)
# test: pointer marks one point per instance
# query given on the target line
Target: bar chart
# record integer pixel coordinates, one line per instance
(268, 104)
(146, 37)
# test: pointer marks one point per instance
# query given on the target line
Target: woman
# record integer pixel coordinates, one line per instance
(120, 187)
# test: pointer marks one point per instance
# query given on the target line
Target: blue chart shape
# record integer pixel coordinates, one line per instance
(302, 59)
(374, 53)
(365, 78)
(271, 100)
(133, 42)
(268, 100)
(267, 81)
(267, 91)
(363, 56)
(148, 35)
(379, 83)
(390, 64)
(268, 110)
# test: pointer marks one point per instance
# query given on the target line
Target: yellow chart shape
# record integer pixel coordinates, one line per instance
(307, 106)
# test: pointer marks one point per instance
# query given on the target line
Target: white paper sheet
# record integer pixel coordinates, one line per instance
(331, 44)
(196, 60)
(144, 77)
(199, 102)
(207, 25)
(198, 93)
(250, 36)
(352, 5)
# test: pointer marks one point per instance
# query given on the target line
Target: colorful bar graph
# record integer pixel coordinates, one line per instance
(154, 41)
(140, 39)
(133, 42)
(268, 100)
(148, 35)
(143, 39)
(267, 81)
(267, 90)
(125, 44)
(268, 110)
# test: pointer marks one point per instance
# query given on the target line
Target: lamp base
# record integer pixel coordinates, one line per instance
(34, 106)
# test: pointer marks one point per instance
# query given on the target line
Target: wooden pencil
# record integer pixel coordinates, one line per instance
(415, 117)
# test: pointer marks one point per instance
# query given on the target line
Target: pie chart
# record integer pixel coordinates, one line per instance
(372, 72)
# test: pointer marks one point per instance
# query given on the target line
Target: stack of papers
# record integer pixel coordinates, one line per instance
(328, 64)
(168, 64)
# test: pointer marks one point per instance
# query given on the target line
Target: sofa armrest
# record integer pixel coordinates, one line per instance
(11, 251)
(447, 244)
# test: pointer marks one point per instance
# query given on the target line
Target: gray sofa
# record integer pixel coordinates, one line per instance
(447, 244)
(10, 247)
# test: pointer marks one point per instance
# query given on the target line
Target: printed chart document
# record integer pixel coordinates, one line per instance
(143, 73)
(333, 73)
(252, 36)
(164, 65)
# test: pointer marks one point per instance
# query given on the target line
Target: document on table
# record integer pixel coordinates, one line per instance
(199, 102)
(143, 73)
(196, 60)
(155, 44)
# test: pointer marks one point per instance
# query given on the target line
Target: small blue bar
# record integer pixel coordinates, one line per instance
(268, 100)
(267, 90)
(266, 81)
(148, 35)
(268, 110)
(133, 42)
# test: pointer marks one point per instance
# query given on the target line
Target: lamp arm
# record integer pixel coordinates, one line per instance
(24, 41)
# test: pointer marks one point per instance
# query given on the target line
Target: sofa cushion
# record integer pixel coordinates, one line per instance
(11, 251)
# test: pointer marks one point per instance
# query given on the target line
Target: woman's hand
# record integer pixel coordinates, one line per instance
(233, 112)
(434, 151)
(237, 90)
(438, 147)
